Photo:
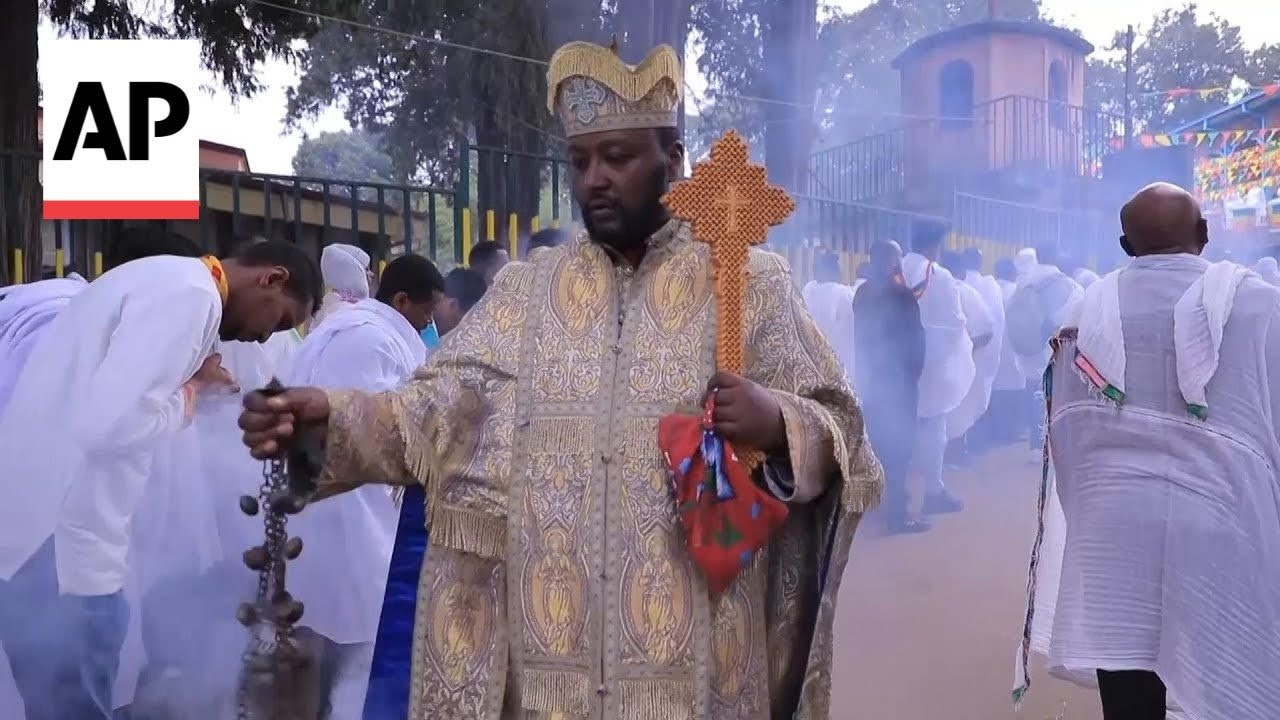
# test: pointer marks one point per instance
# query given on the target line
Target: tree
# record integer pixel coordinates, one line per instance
(429, 98)
(759, 60)
(1179, 50)
(350, 155)
(236, 38)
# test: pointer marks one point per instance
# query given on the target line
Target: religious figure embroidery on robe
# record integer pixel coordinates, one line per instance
(555, 594)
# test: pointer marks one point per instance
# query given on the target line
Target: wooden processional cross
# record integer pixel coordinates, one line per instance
(731, 206)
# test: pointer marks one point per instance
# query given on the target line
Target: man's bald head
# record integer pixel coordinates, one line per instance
(1162, 219)
(885, 257)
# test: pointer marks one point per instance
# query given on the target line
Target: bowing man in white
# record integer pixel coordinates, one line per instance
(948, 365)
(1165, 440)
(372, 345)
(830, 302)
(345, 269)
(116, 373)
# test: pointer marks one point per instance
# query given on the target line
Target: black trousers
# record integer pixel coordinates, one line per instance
(891, 428)
(1131, 695)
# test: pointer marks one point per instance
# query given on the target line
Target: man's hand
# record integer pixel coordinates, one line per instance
(746, 414)
(212, 377)
(272, 424)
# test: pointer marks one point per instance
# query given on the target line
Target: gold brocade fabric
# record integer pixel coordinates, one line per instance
(557, 584)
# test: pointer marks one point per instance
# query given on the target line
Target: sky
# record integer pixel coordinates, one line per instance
(256, 124)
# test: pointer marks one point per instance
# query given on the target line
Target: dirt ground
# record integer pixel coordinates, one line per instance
(928, 624)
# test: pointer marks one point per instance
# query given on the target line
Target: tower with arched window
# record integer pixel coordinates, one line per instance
(996, 107)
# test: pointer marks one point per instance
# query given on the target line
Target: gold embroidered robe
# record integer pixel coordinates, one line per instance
(557, 584)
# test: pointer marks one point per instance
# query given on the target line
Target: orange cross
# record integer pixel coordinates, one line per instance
(731, 206)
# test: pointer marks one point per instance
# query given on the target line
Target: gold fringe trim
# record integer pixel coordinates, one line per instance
(655, 700)
(556, 691)
(603, 66)
(469, 531)
(863, 495)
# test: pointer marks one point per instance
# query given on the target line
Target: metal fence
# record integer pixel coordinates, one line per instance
(385, 219)
(1001, 228)
(1012, 133)
(1037, 134)
(507, 195)
(867, 168)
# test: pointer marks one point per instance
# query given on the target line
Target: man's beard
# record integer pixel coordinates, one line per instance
(633, 227)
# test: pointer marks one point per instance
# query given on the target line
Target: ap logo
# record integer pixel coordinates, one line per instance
(118, 139)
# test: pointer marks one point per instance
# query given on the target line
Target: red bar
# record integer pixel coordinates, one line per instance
(121, 209)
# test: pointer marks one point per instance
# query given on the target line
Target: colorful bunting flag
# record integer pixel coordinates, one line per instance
(1204, 139)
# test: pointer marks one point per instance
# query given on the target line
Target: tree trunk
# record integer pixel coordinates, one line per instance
(635, 22)
(20, 198)
(789, 35)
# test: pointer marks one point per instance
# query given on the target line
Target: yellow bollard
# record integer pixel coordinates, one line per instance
(535, 224)
(17, 266)
(97, 264)
(513, 236)
(490, 225)
(59, 262)
(466, 237)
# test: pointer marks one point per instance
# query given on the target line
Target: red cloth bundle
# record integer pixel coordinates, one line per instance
(726, 516)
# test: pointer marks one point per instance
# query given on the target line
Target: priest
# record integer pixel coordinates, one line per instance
(557, 583)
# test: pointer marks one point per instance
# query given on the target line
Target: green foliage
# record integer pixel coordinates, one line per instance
(1182, 48)
(353, 155)
(236, 36)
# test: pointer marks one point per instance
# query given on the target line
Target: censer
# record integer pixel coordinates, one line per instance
(276, 679)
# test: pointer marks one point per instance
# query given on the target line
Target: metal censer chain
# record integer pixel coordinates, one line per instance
(272, 683)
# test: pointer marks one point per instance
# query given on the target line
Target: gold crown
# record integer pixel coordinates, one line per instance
(592, 90)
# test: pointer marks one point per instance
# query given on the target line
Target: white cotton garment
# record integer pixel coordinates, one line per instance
(979, 323)
(1008, 377)
(1100, 334)
(831, 305)
(1085, 277)
(1172, 523)
(345, 269)
(948, 356)
(1057, 294)
(98, 393)
(1269, 269)
(1199, 320)
(25, 312)
(369, 347)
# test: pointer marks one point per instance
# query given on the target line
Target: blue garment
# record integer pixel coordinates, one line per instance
(388, 696)
(64, 650)
(430, 337)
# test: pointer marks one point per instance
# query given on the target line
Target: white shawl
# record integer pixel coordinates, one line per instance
(948, 366)
(831, 305)
(25, 310)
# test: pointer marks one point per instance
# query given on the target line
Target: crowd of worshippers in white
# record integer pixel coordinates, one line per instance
(1156, 566)
(1156, 571)
(120, 538)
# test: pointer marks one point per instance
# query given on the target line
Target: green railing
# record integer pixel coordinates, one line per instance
(506, 195)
